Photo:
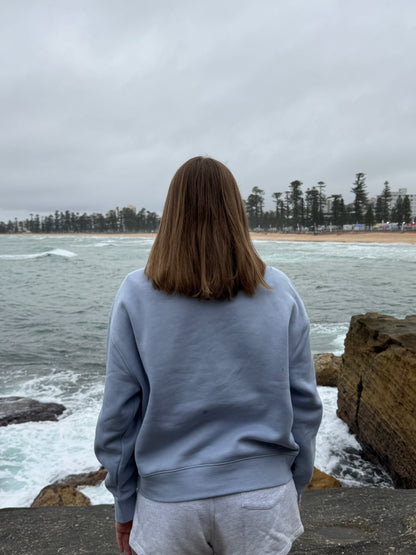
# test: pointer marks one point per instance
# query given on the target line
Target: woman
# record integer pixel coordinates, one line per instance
(210, 409)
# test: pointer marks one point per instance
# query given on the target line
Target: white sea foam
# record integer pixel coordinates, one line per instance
(104, 244)
(328, 337)
(54, 252)
(338, 452)
(98, 495)
(36, 454)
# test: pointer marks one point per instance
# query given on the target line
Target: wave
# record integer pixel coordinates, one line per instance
(338, 452)
(54, 252)
(329, 337)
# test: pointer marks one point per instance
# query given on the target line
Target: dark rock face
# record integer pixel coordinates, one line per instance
(377, 391)
(16, 410)
(327, 367)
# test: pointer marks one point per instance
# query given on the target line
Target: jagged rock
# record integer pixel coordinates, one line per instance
(83, 479)
(377, 391)
(54, 496)
(321, 480)
(64, 492)
(327, 367)
(16, 410)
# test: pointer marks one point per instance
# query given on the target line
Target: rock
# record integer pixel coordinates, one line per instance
(377, 391)
(83, 479)
(350, 521)
(64, 492)
(16, 410)
(60, 496)
(327, 367)
(320, 480)
(357, 521)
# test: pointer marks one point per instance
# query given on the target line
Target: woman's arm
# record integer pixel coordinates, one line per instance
(120, 417)
(307, 406)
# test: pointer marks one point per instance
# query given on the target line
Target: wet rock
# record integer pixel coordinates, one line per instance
(377, 391)
(321, 480)
(327, 367)
(60, 496)
(64, 492)
(83, 479)
(16, 410)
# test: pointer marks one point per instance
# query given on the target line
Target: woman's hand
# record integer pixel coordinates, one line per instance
(123, 530)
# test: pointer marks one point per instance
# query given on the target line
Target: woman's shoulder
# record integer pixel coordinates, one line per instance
(275, 277)
(134, 281)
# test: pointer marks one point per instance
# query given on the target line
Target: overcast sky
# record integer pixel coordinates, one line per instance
(100, 102)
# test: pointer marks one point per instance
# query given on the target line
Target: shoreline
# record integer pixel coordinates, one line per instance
(381, 237)
(378, 237)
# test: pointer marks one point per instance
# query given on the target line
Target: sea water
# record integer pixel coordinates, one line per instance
(55, 297)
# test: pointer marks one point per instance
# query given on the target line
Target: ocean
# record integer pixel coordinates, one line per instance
(55, 297)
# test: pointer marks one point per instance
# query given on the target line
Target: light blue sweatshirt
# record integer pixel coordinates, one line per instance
(206, 398)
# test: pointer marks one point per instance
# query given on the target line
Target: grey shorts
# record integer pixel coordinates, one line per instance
(254, 522)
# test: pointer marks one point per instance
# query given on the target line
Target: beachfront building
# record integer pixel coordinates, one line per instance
(402, 193)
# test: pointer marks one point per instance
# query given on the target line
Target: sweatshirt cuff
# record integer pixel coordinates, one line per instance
(124, 510)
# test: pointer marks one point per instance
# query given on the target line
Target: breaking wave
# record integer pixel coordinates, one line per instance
(54, 252)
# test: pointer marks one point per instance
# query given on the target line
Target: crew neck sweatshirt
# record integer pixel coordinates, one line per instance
(206, 398)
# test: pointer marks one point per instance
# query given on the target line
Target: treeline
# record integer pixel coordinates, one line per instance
(126, 220)
(296, 210)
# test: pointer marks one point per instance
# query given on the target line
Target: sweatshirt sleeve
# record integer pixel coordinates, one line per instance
(307, 406)
(119, 419)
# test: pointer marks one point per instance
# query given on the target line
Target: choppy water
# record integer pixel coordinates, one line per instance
(55, 296)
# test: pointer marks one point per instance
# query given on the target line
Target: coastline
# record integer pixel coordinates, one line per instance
(378, 237)
(408, 237)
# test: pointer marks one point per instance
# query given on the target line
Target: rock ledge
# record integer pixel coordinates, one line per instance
(348, 521)
(16, 410)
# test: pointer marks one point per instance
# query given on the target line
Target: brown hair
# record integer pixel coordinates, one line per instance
(203, 247)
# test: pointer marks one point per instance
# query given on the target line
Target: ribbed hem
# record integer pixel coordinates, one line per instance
(211, 480)
(124, 510)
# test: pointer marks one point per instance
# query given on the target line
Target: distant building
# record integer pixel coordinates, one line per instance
(402, 193)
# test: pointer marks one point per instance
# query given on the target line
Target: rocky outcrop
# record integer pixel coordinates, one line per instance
(16, 410)
(83, 479)
(377, 391)
(327, 367)
(64, 492)
(347, 521)
(60, 496)
(320, 480)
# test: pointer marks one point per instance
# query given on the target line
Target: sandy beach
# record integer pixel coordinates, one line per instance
(342, 237)
(345, 237)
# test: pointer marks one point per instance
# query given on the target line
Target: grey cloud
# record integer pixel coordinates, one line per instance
(101, 101)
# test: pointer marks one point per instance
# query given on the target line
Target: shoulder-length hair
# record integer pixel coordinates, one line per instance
(203, 247)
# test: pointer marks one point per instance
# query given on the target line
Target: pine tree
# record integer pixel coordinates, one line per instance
(338, 210)
(379, 209)
(361, 199)
(386, 199)
(369, 216)
(406, 209)
(296, 202)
